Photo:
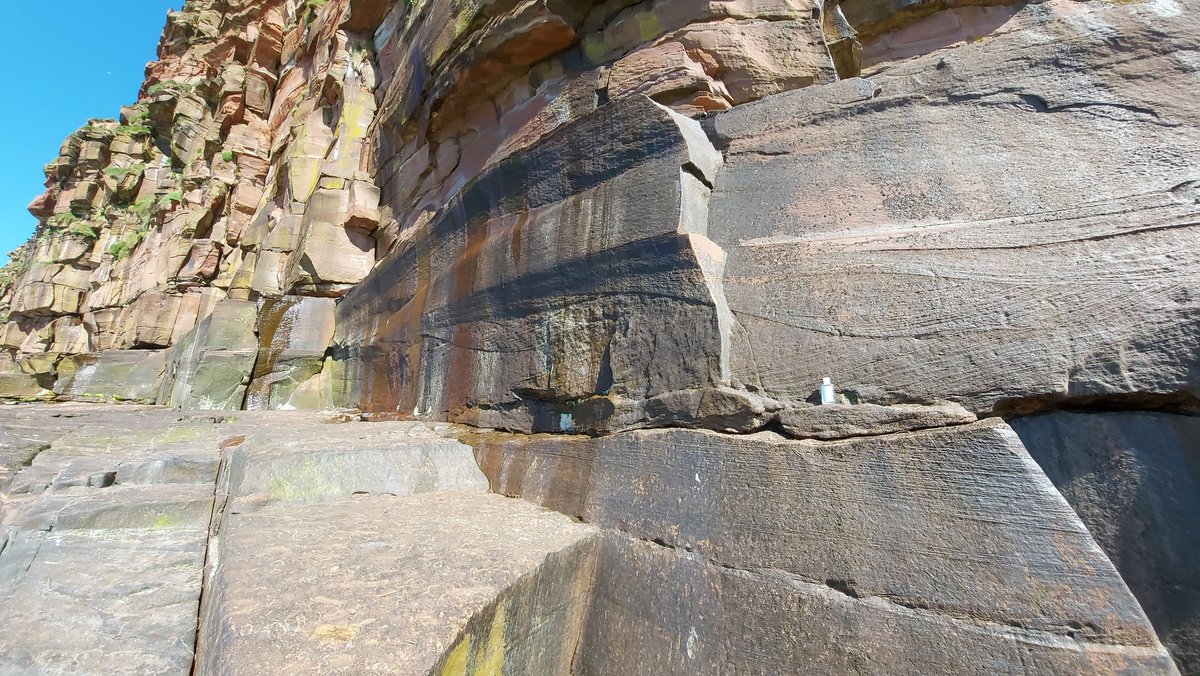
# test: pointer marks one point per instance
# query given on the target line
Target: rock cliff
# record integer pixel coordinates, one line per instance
(598, 256)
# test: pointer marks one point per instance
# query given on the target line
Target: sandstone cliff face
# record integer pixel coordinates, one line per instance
(610, 218)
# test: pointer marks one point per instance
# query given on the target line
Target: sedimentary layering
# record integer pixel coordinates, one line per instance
(767, 553)
(612, 248)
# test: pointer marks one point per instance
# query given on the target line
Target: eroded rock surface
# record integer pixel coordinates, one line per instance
(890, 544)
(389, 585)
(102, 560)
(624, 242)
(948, 229)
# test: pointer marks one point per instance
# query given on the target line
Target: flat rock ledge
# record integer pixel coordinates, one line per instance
(303, 546)
(842, 421)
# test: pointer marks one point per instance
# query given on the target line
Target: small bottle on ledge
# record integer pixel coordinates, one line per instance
(827, 394)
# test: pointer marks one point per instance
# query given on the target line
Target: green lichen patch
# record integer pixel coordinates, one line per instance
(169, 87)
(82, 229)
(120, 173)
(133, 130)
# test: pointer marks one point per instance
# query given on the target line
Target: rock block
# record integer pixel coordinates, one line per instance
(570, 270)
(22, 387)
(952, 536)
(841, 420)
(456, 581)
(113, 375)
(401, 562)
(102, 537)
(101, 580)
(101, 601)
(914, 266)
(387, 458)
(330, 254)
(293, 335)
(211, 366)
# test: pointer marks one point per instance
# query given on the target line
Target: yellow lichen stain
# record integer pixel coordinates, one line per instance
(594, 48)
(492, 659)
(484, 657)
(306, 156)
(335, 632)
(456, 661)
(649, 27)
(355, 116)
(462, 22)
(303, 482)
(166, 521)
(178, 434)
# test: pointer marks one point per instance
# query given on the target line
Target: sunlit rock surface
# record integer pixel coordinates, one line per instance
(600, 256)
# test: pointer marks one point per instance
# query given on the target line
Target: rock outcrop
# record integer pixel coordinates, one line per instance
(614, 247)
(301, 544)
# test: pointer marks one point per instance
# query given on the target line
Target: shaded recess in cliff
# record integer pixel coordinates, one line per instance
(578, 268)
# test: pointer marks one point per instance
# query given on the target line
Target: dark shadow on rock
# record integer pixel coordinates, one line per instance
(1134, 479)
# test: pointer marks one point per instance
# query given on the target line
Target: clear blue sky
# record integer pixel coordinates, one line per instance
(64, 62)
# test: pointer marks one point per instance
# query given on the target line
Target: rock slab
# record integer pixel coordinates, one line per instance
(896, 543)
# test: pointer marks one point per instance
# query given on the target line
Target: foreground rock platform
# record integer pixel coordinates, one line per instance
(391, 585)
(304, 545)
(871, 553)
(148, 540)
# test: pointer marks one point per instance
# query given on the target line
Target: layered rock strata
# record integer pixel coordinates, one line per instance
(1132, 477)
(894, 545)
(623, 242)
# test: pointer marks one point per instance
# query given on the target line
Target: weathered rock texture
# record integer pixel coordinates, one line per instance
(936, 244)
(537, 236)
(1134, 479)
(302, 544)
(305, 544)
(623, 242)
(890, 544)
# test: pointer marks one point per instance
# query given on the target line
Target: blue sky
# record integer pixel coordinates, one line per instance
(64, 62)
